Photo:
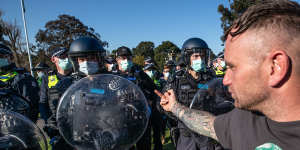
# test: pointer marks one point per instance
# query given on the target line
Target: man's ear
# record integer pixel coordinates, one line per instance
(279, 65)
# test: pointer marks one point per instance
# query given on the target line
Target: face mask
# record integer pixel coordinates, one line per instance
(40, 74)
(89, 67)
(166, 75)
(223, 64)
(126, 65)
(64, 64)
(4, 62)
(197, 65)
(150, 73)
(110, 67)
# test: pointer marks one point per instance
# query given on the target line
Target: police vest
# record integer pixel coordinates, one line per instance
(219, 72)
(52, 81)
(6, 77)
(53, 92)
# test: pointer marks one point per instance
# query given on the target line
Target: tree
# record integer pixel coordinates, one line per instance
(144, 48)
(15, 41)
(1, 28)
(161, 52)
(237, 7)
(139, 60)
(61, 33)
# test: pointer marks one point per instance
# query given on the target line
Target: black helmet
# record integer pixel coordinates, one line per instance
(86, 46)
(123, 51)
(40, 66)
(194, 45)
(4, 50)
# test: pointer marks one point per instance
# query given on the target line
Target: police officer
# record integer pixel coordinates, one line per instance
(169, 70)
(18, 80)
(51, 93)
(110, 64)
(195, 56)
(42, 72)
(152, 72)
(223, 99)
(135, 74)
(87, 57)
(156, 118)
(219, 65)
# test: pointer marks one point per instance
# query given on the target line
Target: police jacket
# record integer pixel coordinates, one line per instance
(52, 87)
(185, 87)
(142, 80)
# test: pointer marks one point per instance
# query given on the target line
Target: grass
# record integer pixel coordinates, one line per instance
(168, 145)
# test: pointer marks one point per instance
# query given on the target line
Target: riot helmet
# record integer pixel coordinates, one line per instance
(195, 45)
(89, 49)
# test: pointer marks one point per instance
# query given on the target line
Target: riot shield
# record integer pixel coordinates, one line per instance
(19, 133)
(12, 101)
(214, 97)
(102, 112)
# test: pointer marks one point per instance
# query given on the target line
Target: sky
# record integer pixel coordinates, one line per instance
(128, 22)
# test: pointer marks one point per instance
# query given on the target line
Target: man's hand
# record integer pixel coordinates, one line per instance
(199, 121)
(168, 100)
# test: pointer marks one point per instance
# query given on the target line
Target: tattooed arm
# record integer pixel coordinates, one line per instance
(201, 122)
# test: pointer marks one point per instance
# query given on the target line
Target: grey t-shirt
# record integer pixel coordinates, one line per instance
(245, 130)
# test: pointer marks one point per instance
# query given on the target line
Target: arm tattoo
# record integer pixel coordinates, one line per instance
(200, 122)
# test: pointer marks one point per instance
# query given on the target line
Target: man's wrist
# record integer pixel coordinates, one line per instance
(177, 110)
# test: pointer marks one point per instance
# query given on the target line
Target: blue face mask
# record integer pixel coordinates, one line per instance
(150, 73)
(197, 65)
(89, 67)
(4, 62)
(64, 64)
(126, 65)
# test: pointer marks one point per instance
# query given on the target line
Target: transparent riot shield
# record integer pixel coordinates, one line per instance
(102, 112)
(214, 97)
(9, 100)
(19, 133)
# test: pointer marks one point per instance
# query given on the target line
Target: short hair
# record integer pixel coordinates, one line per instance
(284, 14)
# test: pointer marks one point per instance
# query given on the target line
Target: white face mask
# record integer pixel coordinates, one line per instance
(223, 64)
(110, 67)
(64, 64)
(166, 75)
(150, 73)
(89, 67)
(126, 64)
(40, 74)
